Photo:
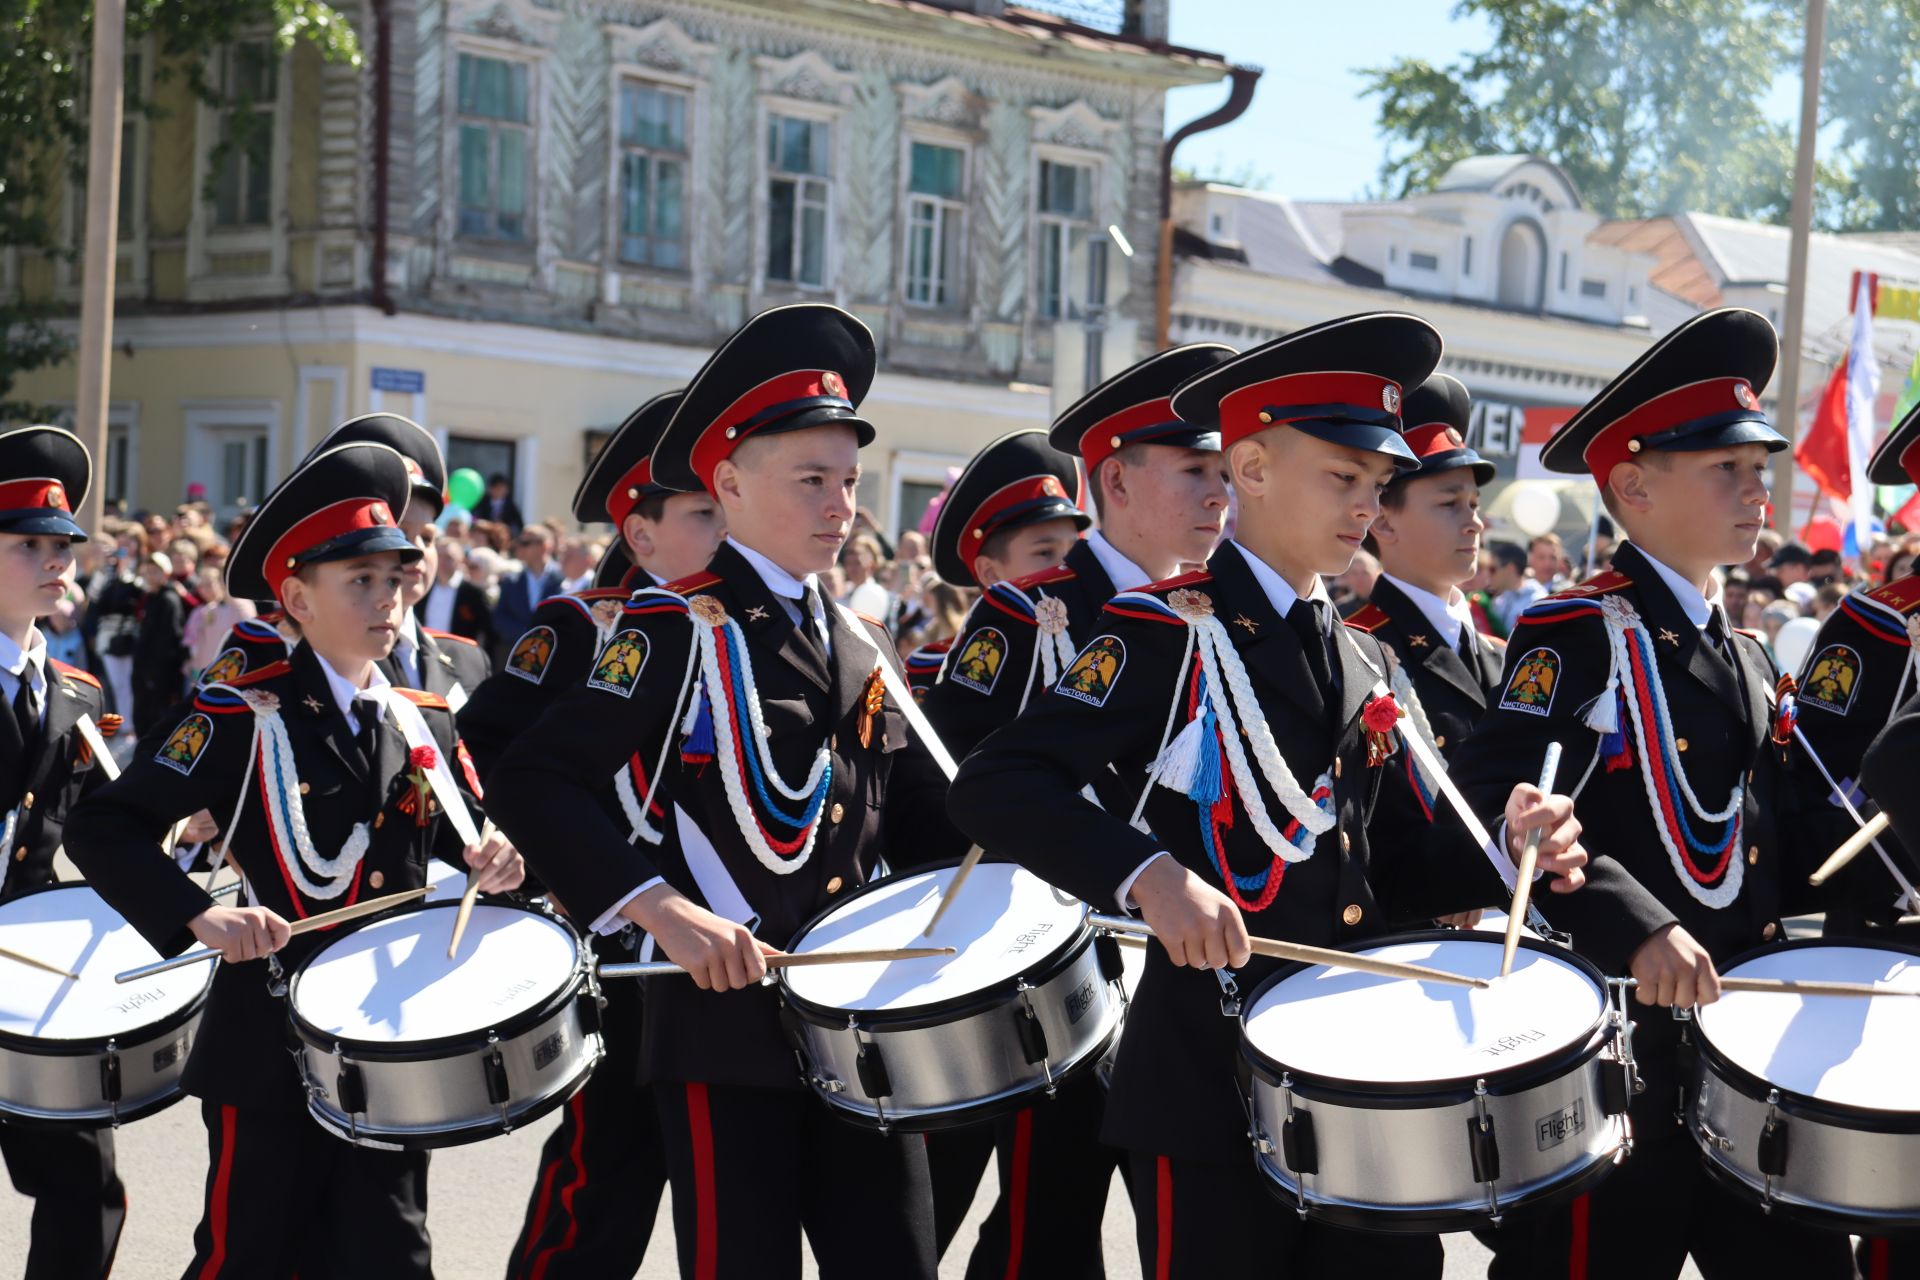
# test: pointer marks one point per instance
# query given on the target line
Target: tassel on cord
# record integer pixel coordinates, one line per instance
(1181, 759)
(698, 746)
(1209, 781)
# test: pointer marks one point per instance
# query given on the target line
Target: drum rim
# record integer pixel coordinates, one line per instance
(438, 1047)
(1447, 1091)
(1826, 1217)
(78, 1046)
(1792, 1102)
(1049, 966)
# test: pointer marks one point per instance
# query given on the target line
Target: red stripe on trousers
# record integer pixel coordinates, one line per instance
(1879, 1260)
(1017, 1191)
(1163, 1220)
(575, 1105)
(1577, 1249)
(706, 1225)
(217, 1204)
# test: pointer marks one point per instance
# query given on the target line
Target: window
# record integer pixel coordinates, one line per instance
(1066, 214)
(495, 143)
(1466, 256)
(490, 457)
(936, 196)
(653, 176)
(798, 168)
(243, 178)
(1423, 261)
(1593, 288)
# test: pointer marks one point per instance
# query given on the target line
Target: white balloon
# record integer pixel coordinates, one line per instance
(1794, 642)
(1535, 509)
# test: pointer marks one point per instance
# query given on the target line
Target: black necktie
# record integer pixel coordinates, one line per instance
(1304, 618)
(23, 711)
(1466, 646)
(812, 610)
(368, 737)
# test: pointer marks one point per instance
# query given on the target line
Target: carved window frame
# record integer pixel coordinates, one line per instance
(1079, 157)
(960, 288)
(534, 58)
(834, 116)
(688, 87)
(205, 239)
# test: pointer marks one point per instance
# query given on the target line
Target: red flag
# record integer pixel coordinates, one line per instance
(1822, 452)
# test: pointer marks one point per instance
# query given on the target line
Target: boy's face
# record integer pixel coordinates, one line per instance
(1433, 536)
(1176, 499)
(1028, 550)
(790, 496)
(1314, 498)
(1708, 506)
(417, 523)
(350, 608)
(35, 571)
(681, 541)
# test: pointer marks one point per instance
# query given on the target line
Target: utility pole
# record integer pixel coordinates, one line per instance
(102, 250)
(1787, 408)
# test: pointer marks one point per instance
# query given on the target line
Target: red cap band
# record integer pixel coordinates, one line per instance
(1622, 439)
(23, 495)
(321, 527)
(1298, 397)
(628, 490)
(1433, 437)
(1106, 437)
(733, 424)
(1020, 492)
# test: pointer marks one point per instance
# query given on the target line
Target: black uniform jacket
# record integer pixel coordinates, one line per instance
(1886, 772)
(114, 837)
(543, 794)
(1173, 1089)
(451, 666)
(1453, 691)
(45, 781)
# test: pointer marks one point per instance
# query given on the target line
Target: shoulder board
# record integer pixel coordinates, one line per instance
(1009, 598)
(1044, 577)
(220, 699)
(258, 631)
(1902, 595)
(448, 635)
(693, 582)
(1748, 632)
(258, 674)
(421, 698)
(932, 650)
(77, 673)
(1145, 606)
(1599, 584)
(1193, 579)
(869, 619)
(1368, 618)
(603, 593)
(1876, 617)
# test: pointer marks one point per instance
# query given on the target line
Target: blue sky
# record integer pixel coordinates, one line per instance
(1309, 127)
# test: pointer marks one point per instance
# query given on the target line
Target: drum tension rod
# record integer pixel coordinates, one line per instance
(1297, 1146)
(1770, 1152)
(1483, 1148)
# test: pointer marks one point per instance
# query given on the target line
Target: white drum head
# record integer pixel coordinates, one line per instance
(390, 982)
(71, 927)
(1005, 923)
(1852, 1051)
(445, 882)
(1342, 1025)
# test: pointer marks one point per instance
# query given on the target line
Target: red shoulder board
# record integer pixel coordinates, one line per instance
(599, 593)
(1043, 577)
(1367, 618)
(869, 619)
(1599, 584)
(77, 673)
(448, 635)
(693, 582)
(258, 674)
(1193, 579)
(934, 647)
(1750, 634)
(421, 698)
(1901, 595)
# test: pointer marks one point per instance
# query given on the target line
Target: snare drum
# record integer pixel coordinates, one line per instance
(90, 1053)
(1811, 1104)
(1389, 1105)
(404, 1049)
(1031, 997)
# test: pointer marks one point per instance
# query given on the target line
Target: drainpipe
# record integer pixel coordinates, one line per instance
(382, 147)
(1239, 96)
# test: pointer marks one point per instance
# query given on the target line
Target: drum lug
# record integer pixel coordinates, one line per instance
(872, 1069)
(1032, 1036)
(276, 978)
(1229, 993)
(1106, 953)
(1709, 1139)
(499, 1088)
(110, 1081)
(1297, 1147)
(350, 1089)
(1483, 1149)
(1770, 1152)
(827, 1084)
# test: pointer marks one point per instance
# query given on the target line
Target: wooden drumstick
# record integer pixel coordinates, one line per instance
(42, 965)
(665, 968)
(1798, 987)
(1305, 954)
(466, 899)
(960, 874)
(1850, 850)
(338, 915)
(1529, 855)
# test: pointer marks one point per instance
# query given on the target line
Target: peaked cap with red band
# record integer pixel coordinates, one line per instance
(1697, 388)
(1435, 416)
(426, 469)
(621, 474)
(1132, 407)
(787, 369)
(1897, 460)
(44, 475)
(1016, 481)
(1341, 381)
(336, 505)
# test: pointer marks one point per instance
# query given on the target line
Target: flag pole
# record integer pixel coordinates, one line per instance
(1787, 406)
(106, 76)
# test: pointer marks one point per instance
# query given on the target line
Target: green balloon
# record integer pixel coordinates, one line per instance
(465, 488)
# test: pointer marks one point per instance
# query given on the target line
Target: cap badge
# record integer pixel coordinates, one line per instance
(830, 384)
(1051, 488)
(1744, 394)
(1390, 398)
(1454, 438)
(56, 496)
(379, 513)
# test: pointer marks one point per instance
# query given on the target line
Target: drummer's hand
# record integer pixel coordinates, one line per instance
(719, 954)
(1561, 854)
(1195, 922)
(497, 863)
(1673, 969)
(1461, 919)
(240, 933)
(200, 828)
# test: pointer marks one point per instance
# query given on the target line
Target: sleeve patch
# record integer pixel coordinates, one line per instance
(618, 668)
(1832, 680)
(185, 745)
(1094, 673)
(230, 664)
(531, 654)
(978, 666)
(1531, 686)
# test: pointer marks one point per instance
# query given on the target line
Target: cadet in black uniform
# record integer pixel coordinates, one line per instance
(282, 1193)
(1650, 692)
(595, 1198)
(1312, 432)
(45, 767)
(787, 819)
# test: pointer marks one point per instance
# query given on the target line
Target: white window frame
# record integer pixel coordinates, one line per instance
(691, 162)
(1073, 294)
(123, 426)
(207, 419)
(526, 459)
(834, 117)
(504, 51)
(912, 466)
(130, 271)
(959, 212)
(205, 239)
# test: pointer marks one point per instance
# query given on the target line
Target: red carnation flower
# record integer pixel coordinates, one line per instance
(1381, 715)
(422, 758)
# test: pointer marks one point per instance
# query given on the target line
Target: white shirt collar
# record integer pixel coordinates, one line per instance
(345, 694)
(14, 660)
(1447, 617)
(778, 580)
(1124, 573)
(409, 630)
(1698, 607)
(1279, 592)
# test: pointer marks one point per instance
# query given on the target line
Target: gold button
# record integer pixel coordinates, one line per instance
(432, 805)
(1680, 743)
(304, 788)
(1769, 933)
(1753, 855)
(1265, 417)
(375, 880)
(838, 812)
(1336, 766)
(27, 801)
(1439, 739)
(1351, 916)
(20, 854)
(1346, 843)
(833, 742)
(833, 885)
(379, 820)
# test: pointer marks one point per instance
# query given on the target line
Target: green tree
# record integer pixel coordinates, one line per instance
(43, 124)
(1870, 87)
(1650, 106)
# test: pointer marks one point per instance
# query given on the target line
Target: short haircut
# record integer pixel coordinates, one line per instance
(652, 507)
(1550, 538)
(1129, 456)
(1509, 554)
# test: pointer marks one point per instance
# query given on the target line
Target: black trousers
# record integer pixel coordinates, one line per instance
(287, 1198)
(956, 1161)
(1199, 1221)
(79, 1205)
(1883, 1259)
(602, 1172)
(751, 1168)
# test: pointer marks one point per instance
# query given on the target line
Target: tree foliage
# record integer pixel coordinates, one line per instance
(1870, 89)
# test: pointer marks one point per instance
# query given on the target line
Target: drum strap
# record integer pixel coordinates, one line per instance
(413, 728)
(709, 871)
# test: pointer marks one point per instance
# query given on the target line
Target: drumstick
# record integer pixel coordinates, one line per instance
(1529, 855)
(1797, 987)
(960, 874)
(336, 916)
(466, 899)
(1850, 850)
(664, 968)
(41, 965)
(1300, 951)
